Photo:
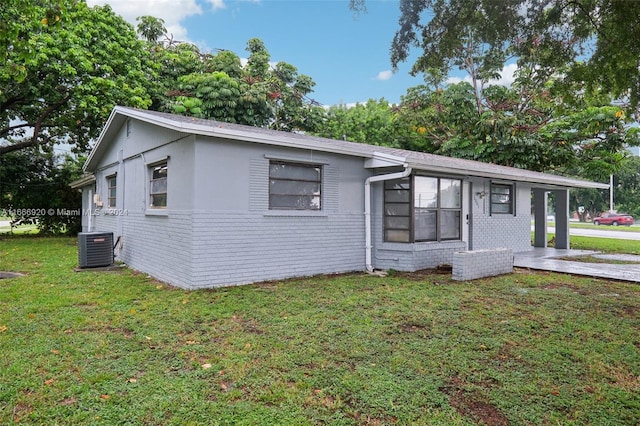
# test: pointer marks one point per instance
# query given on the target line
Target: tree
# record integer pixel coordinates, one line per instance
(593, 42)
(34, 187)
(372, 122)
(63, 67)
(627, 187)
(217, 86)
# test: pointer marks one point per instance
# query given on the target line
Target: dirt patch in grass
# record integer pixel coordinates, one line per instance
(472, 405)
(5, 274)
(423, 274)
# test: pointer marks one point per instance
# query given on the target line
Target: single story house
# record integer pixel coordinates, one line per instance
(199, 203)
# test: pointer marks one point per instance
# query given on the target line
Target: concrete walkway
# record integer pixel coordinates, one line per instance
(547, 259)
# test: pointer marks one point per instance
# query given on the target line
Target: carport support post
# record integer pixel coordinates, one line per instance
(540, 217)
(562, 218)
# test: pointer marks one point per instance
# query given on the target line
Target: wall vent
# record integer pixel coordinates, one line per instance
(95, 249)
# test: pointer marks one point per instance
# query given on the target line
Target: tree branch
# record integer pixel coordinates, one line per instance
(37, 128)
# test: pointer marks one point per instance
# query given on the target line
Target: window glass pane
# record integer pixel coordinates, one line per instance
(159, 186)
(425, 192)
(501, 208)
(397, 196)
(424, 222)
(501, 199)
(500, 189)
(395, 236)
(397, 209)
(294, 187)
(450, 224)
(397, 222)
(294, 172)
(158, 200)
(397, 184)
(450, 194)
(294, 202)
(160, 172)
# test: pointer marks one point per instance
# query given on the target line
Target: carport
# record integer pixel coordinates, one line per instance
(540, 207)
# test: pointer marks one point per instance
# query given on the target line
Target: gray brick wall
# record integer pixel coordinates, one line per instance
(238, 248)
(160, 246)
(508, 231)
(470, 265)
(501, 230)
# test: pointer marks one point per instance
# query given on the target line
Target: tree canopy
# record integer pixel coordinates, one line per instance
(217, 86)
(63, 67)
(592, 43)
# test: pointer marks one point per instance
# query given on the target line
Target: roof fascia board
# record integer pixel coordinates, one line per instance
(540, 180)
(380, 160)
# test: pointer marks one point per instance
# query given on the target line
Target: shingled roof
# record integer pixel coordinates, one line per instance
(414, 159)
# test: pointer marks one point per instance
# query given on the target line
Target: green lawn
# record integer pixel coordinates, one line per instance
(120, 348)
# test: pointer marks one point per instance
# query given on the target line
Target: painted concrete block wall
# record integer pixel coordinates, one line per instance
(500, 230)
(218, 230)
(160, 246)
(237, 239)
(231, 248)
(471, 265)
(155, 241)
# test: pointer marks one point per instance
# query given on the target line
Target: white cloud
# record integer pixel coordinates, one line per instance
(384, 75)
(456, 80)
(217, 4)
(171, 11)
(507, 77)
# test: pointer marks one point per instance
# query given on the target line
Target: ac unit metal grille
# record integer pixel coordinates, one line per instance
(95, 249)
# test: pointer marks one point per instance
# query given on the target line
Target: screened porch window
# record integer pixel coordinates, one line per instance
(422, 208)
(295, 186)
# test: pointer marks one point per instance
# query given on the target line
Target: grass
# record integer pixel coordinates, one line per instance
(120, 348)
(605, 245)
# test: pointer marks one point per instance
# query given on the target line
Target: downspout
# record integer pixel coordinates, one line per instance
(367, 208)
(89, 218)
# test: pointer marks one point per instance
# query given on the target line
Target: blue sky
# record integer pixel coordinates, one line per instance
(346, 55)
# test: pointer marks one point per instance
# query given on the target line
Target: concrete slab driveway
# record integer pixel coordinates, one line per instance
(547, 259)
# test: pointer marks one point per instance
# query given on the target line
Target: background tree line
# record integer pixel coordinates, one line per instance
(64, 66)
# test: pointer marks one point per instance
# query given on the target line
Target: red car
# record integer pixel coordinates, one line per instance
(614, 219)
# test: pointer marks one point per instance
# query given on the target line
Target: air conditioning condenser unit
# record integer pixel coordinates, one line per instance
(95, 249)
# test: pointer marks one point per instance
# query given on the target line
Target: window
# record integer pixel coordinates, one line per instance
(422, 208)
(294, 186)
(397, 210)
(158, 186)
(111, 191)
(501, 199)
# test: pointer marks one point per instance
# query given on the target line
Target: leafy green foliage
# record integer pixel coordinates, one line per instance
(63, 66)
(371, 123)
(34, 188)
(216, 86)
(627, 187)
(591, 42)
